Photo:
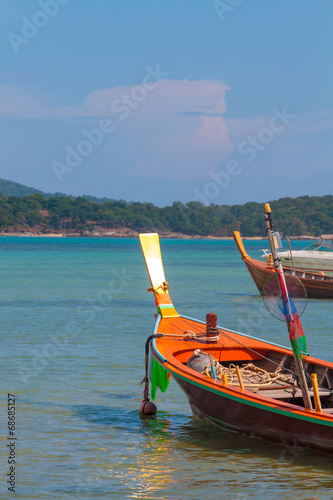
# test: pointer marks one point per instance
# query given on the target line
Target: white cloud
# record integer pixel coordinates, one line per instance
(167, 128)
(185, 151)
(168, 97)
(240, 128)
(170, 128)
(176, 131)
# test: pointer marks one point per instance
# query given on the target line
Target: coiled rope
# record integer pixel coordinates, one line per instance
(252, 376)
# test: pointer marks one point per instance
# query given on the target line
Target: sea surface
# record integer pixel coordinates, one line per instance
(74, 315)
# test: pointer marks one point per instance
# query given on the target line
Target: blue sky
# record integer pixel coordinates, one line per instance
(217, 101)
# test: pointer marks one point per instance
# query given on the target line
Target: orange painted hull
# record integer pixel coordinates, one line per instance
(275, 411)
(249, 413)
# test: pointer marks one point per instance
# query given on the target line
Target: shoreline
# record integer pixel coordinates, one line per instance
(135, 234)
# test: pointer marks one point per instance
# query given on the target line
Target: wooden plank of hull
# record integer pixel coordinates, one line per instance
(259, 276)
(317, 286)
(315, 289)
(232, 414)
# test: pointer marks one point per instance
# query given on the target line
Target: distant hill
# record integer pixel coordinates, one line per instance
(302, 216)
(24, 209)
(10, 188)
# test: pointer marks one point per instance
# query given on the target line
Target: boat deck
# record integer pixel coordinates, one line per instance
(233, 349)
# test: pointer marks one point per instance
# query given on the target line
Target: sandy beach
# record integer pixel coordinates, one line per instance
(134, 234)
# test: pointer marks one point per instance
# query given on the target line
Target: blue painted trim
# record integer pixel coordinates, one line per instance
(157, 323)
(157, 352)
(153, 341)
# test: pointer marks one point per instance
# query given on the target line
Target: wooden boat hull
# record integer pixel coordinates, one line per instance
(274, 410)
(318, 286)
(233, 415)
(240, 410)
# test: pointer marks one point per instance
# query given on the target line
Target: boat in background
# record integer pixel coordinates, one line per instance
(316, 257)
(318, 285)
(238, 382)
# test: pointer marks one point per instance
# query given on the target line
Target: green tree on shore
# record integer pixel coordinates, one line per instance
(305, 215)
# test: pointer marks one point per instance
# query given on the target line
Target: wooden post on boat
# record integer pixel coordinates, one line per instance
(240, 380)
(316, 396)
(211, 328)
(279, 269)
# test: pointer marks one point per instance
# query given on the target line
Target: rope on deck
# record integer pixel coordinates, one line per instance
(252, 375)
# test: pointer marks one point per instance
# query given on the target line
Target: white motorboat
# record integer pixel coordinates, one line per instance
(316, 257)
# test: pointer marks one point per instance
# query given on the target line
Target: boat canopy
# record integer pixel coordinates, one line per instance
(323, 244)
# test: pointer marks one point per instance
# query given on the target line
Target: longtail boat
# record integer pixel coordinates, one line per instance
(318, 285)
(236, 381)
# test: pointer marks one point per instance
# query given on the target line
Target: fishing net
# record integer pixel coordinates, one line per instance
(275, 303)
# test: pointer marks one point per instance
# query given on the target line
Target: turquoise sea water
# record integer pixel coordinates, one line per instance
(75, 315)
